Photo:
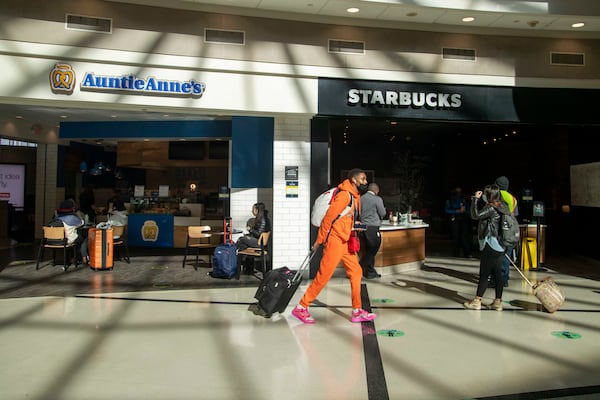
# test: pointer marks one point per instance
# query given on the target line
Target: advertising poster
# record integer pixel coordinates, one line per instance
(12, 184)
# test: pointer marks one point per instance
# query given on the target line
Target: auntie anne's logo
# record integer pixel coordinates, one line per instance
(62, 79)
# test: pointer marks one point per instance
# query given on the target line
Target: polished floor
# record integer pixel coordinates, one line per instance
(154, 330)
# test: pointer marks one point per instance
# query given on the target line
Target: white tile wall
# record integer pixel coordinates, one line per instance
(291, 216)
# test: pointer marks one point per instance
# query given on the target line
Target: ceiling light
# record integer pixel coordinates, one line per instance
(578, 25)
(64, 116)
(353, 10)
(468, 19)
(18, 116)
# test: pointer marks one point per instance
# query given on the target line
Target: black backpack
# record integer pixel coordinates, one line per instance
(508, 231)
(55, 223)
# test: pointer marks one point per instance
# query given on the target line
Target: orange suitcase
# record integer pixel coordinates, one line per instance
(100, 247)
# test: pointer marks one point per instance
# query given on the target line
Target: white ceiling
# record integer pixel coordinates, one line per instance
(535, 17)
(507, 17)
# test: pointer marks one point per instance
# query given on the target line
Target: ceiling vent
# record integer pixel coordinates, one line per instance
(224, 37)
(346, 47)
(573, 59)
(452, 53)
(88, 24)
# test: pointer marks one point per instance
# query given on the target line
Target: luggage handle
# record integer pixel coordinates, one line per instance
(518, 269)
(304, 265)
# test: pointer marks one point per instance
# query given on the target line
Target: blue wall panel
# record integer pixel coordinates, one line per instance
(252, 152)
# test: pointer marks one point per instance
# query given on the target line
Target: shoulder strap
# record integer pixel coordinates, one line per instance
(340, 215)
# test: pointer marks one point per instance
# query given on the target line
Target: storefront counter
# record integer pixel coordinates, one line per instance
(402, 247)
(150, 230)
(162, 230)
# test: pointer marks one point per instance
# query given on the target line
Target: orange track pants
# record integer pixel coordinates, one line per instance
(334, 251)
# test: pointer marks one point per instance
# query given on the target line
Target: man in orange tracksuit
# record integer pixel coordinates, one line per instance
(334, 233)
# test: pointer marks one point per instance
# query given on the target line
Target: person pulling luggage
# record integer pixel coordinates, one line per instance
(334, 233)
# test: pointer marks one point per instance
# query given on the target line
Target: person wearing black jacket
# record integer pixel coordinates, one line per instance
(486, 208)
(261, 224)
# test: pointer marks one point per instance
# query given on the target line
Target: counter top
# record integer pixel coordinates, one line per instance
(387, 226)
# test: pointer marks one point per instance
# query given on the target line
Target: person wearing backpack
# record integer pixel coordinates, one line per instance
(488, 216)
(334, 233)
(502, 183)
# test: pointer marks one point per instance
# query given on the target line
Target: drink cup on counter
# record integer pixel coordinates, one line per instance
(394, 220)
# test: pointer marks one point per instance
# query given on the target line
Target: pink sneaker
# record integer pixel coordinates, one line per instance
(361, 315)
(303, 315)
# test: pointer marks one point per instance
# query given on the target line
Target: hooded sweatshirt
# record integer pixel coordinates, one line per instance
(342, 227)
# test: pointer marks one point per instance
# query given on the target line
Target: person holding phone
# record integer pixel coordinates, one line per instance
(486, 207)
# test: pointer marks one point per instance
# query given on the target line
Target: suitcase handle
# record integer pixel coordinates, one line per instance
(518, 270)
(304, 265)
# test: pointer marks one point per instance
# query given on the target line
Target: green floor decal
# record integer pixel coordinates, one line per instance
(566, 335)
(390, 333)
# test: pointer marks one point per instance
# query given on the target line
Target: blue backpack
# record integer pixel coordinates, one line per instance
(224, 261)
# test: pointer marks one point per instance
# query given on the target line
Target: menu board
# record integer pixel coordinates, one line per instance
(12, 184)
(585, 185)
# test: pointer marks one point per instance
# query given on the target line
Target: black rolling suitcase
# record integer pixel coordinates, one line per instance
(278, 287)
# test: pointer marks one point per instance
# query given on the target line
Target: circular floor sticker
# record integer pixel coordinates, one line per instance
(566, 335)
(383, 301)
(390, 333)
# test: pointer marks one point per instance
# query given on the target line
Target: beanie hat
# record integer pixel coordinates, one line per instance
(66, 207)
(502, 183)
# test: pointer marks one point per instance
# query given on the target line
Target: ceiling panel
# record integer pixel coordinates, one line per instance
(298, 6)
(338, 8)
(405, 14)
(482, 19)
(524, 21)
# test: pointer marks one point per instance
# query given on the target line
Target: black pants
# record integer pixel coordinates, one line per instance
(490, 264)
(372, 243)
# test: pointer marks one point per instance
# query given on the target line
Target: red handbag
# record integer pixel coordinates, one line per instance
(354, 242)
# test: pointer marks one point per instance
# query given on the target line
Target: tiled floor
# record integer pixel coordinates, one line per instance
(153, 330)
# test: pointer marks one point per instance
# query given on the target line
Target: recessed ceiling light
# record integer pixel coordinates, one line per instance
(468, 19)
(18, 116)
(113, 116)
(353, 10)
(578, 25)
(64, 116)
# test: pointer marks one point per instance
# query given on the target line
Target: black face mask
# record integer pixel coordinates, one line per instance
(362, 188)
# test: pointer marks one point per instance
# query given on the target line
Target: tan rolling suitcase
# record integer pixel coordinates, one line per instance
(546, 291)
